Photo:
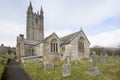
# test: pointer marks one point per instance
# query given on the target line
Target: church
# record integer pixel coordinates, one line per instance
(37, 47)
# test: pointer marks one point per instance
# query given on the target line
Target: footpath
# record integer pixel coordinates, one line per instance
(13, 71)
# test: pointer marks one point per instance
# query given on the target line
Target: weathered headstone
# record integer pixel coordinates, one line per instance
(57, 62)
(40, 64)
(66, 70)
(49, 66)
(101, 57)
(93, 70)
(94, 59)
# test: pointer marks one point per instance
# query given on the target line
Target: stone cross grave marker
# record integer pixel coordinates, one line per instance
(93, 70)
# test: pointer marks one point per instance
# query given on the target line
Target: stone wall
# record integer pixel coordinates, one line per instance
(71, 49)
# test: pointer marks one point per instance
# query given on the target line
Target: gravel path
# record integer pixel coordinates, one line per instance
(15, 72)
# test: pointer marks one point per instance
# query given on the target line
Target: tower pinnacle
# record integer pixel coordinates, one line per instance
(41, 11)
(30, 8)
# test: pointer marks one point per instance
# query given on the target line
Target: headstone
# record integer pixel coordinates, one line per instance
(101, 57)
(57, 62)
(49, 66)
(93, 70)
(76, 62)
(40, 64)
(66, 70)
(105, 57)
(94, 59)
(90, 60)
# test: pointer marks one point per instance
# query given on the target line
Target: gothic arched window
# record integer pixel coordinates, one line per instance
(54, 45)
(81, 44)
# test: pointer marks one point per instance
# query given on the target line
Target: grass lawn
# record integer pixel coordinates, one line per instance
(2, 65)
(110, 71)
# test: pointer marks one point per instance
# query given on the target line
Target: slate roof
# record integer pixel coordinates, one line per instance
(67, 39)
(31, 42)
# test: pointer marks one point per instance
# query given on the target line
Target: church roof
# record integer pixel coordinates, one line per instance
(67, 39)
(31, 42)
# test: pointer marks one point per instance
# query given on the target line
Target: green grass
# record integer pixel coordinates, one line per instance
(2, 64)
(110, 71)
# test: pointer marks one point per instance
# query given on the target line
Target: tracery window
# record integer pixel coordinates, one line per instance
(54, 45)
(30, 52)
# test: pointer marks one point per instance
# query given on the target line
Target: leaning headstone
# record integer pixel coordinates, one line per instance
(101, 58)
(49, 66)
(66, 70)
(93, 70)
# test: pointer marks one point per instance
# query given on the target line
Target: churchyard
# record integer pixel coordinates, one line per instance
(109, 69)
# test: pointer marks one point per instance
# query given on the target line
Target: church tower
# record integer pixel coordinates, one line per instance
(35, 24)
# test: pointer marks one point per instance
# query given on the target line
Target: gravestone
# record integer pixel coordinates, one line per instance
(93, 70)
(101, 57)
(40, 64)
(94, 59)
(49, 66)
(106, 57)
(57, 62)
(66, 68)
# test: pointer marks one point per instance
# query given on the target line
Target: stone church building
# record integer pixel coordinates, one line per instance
(36, 46)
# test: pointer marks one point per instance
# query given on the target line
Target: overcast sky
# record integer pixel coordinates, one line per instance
(100, 19)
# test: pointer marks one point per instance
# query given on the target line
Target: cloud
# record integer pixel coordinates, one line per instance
(106, 39)
(86, 12)
(9, 32)
(60, 16)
